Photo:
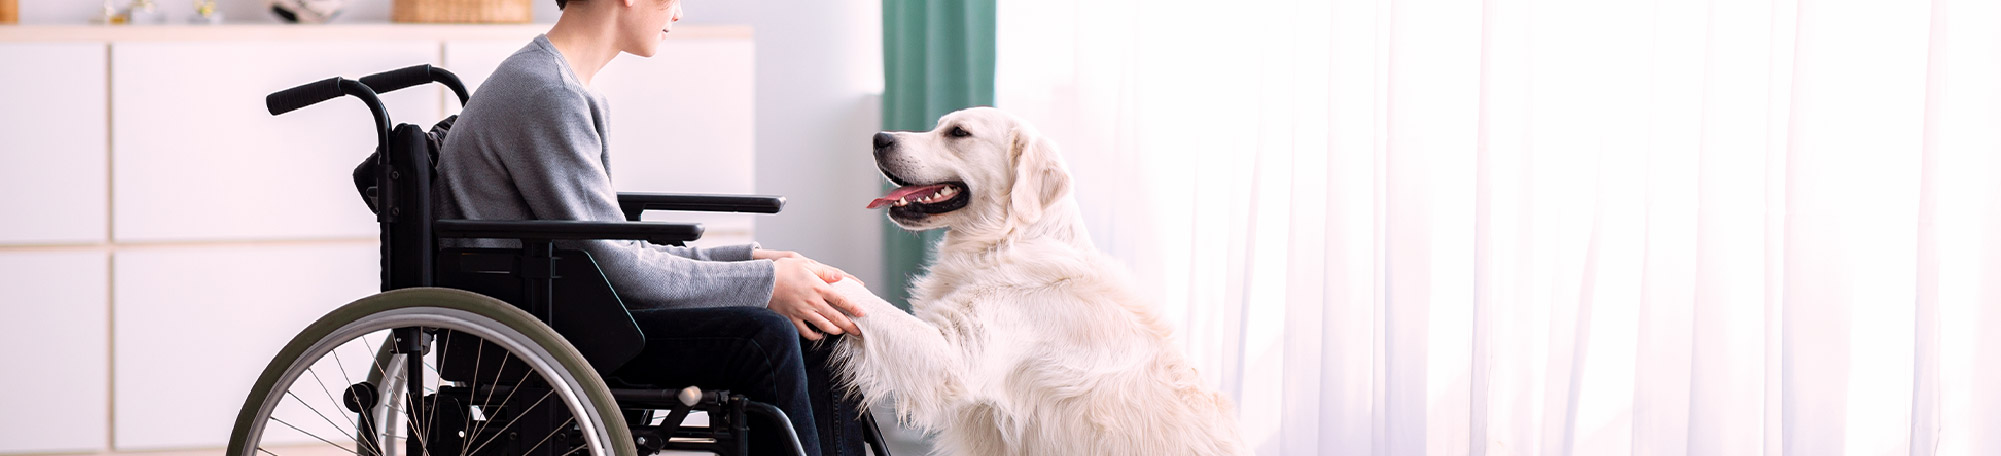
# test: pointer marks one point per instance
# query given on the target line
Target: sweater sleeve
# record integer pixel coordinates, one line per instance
(557, 169)
(739, 252)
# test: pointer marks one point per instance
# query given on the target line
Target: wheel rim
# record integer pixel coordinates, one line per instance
(306, 396)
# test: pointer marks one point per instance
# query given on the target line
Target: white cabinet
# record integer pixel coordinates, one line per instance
(54, 339)
(195, 326)
(195, 155)
(52, 156)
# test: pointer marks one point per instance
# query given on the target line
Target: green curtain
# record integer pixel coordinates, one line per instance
(937, 57)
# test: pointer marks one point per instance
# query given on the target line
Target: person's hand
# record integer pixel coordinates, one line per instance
(764, 254)
(800, 292)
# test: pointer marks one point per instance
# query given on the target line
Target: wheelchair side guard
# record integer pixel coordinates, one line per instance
(591, 315)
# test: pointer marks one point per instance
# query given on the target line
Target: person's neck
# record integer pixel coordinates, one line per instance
(586, 41)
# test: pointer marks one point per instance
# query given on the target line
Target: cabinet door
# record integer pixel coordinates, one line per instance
(195, 155)
(196, 324)
(681, 121)
(52, 152)
(57, 355)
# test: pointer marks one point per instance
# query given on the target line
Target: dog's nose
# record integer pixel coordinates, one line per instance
(883, 140)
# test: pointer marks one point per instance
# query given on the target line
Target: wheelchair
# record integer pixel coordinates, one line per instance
(480, 351)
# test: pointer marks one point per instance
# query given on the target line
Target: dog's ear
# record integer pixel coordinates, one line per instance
(1039, 176)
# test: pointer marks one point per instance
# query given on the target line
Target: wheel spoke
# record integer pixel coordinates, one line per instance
(413, 406)
(329, 396)
(392, 417)
(431, 413)
(510, 395)
(416, 422)
(552, 433)
(478, 355)
(377, 362)
(315, 411)
(344, 377)
(309, 434)
(503, 429)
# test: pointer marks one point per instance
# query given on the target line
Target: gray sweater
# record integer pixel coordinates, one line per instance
(530, 145)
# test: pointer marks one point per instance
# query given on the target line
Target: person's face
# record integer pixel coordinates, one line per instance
(646, 23)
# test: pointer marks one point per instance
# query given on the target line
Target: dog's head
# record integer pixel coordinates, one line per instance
(979, 170)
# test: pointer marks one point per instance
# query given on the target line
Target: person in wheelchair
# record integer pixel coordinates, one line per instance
(531, 145)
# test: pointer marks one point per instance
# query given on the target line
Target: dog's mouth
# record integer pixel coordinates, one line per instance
(912, 199)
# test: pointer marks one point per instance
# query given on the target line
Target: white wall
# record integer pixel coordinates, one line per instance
(819, 86)
(819, 98)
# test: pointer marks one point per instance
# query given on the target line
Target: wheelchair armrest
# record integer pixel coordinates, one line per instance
(634, 203)
(655, 232)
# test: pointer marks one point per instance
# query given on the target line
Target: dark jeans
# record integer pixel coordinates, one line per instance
(757, 353)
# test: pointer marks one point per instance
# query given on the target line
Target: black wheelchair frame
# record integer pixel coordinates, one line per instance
(396, 183)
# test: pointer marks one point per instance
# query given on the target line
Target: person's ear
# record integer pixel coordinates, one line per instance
(1039, 177)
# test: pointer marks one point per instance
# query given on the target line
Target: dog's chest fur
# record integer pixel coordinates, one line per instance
(1059, 348)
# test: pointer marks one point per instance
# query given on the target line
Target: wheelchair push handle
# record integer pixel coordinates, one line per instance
(292, 99)
(415, 75)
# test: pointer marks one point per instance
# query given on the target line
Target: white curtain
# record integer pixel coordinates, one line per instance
(1563, 227)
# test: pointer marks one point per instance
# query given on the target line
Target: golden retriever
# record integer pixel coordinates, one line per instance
(1025, 340)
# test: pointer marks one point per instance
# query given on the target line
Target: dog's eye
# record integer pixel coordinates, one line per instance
(958, 132)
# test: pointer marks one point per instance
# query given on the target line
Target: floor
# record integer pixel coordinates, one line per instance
(902, 442)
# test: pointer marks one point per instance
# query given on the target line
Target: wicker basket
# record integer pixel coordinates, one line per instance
(10, 12)
(462, 11)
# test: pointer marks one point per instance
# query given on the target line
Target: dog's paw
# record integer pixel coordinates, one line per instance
(854, 292)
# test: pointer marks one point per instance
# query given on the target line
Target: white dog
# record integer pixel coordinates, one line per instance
(1025, 339)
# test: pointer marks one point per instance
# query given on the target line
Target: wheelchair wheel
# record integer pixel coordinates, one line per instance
(343, 385)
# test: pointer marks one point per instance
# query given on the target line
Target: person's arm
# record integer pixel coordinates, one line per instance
(556, 167)
(737, 252)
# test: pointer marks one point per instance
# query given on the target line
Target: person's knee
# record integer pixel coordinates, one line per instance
(772, 332)
(768, 320)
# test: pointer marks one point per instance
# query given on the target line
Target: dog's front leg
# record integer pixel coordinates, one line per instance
(898, 355)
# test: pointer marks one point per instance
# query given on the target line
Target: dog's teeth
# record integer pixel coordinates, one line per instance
(940, 195)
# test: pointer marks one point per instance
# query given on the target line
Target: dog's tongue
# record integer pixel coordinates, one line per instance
(904, 192)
